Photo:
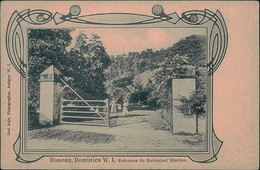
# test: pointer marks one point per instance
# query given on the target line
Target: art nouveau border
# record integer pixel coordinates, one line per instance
(217, 46)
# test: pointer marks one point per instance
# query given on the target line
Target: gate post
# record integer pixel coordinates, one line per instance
(108, 112)
(182, 86)
(171, 111)
(50, 93)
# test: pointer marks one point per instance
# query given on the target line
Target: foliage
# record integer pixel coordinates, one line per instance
(46, 47)
(87, 62)
(138, 93)
(83, 64)
(118, 88)
(165, 64)
(193, 105)
(194, 47)
(173, 67)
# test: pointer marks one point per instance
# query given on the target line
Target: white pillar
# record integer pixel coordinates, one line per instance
(183, 86)
(50, 92)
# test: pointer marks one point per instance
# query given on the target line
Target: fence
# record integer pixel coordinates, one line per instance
(81, 111)
(78, 112)
(167, 113)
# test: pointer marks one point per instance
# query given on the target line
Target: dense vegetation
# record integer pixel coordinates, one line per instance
(139, 77)
(83, 65)
(127, 71)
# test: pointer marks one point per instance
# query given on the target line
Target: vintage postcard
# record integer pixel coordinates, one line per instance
(129, 84)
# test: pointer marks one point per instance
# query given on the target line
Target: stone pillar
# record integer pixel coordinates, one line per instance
(50, 94)
(183, 86)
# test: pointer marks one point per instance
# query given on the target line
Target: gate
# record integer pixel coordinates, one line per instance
(86, 112)
(167, 114)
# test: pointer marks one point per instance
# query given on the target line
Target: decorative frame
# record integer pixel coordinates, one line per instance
(16, 40)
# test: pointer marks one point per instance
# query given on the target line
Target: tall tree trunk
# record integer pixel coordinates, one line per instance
(197, 124)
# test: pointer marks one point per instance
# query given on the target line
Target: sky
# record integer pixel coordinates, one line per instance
(123, 40)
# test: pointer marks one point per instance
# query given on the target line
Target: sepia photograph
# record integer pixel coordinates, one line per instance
(117, 88)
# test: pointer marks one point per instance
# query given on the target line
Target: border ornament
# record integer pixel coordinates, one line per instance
(15, 46)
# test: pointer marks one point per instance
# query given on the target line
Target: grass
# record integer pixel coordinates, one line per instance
(192, 139)
(71, 136)
(195, 140)
(184, 134)
(198, 142)
(156, 122)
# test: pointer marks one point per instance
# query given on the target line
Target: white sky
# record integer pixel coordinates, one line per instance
(124, 40)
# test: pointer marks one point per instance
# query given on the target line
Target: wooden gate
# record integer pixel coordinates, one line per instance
(81, 111)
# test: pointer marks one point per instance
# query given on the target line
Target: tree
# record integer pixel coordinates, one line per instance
(83, 64)
(89, 60)
(194, 47)
(165, 63)
(172, 67)
(195, 105)
(46, 47)
(138, 93)
(119, 88)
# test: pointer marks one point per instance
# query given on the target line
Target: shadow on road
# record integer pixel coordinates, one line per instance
(124, 120)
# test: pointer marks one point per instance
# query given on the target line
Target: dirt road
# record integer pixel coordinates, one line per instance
(140, 130)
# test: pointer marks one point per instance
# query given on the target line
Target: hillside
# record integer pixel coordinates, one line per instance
(134, 63)
(142, 71)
